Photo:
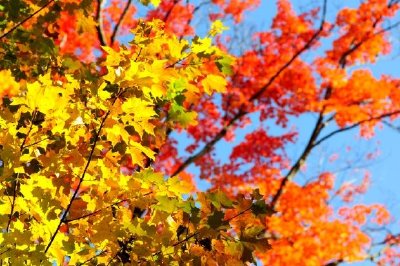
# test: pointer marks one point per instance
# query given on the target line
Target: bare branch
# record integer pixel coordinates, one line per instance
(391, 126)
(319, 125)
(99, 26)
(121, 18)
(354, 126)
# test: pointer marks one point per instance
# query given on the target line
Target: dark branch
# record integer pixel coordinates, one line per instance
(92, 258)
(90, 157)
(319, 125)
(36, 142)
(99, 26)
(121, 18)
(15, 184)
(95, 212)
(102, 209)
(29, 131)
(354, 126)
(26, 19)
(391, 126)
(198, 231)
(295, 56)
(255, 96)
(169, 11)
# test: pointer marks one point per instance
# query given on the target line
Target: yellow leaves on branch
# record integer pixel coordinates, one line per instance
(217, 27)
(8, 86)
(214, 83)
(108, 129)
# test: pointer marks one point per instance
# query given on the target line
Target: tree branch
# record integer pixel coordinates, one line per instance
(99, 26)
(36, 142)
(354, 126)
(295, 56)
(241, 112)
(391, 126)
(95, 256)
(170, 10)
(29, 131)
(90, 157)
(12, 204)
(198, 231)
(104, 208)
(121, 18)
(26, 19)
(319, 125)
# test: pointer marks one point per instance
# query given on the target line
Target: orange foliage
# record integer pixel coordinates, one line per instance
(270, 82)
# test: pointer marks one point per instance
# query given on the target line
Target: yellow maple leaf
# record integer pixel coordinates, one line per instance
(9, 87)
(217, 27)
(213, 83)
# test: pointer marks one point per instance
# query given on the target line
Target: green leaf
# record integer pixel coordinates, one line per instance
(219, 199)
(216, 220)
(259, 207)
(225, 65)
(166, 204)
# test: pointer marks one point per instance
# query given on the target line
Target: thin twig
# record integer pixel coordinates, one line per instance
(198, 231)
(104, 208)
(26, 19)
(295, 56)
(13, 203)
(354, 126)
(96, 138)
(1, 253)
(29, 131)
(36, 142)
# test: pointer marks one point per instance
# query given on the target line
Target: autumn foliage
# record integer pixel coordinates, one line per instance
(112, 111)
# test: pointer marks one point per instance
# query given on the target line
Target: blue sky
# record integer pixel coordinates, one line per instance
(385, 185)
(385, 177)
(385, 174)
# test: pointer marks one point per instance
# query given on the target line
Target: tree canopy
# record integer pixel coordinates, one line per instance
(112, 111)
